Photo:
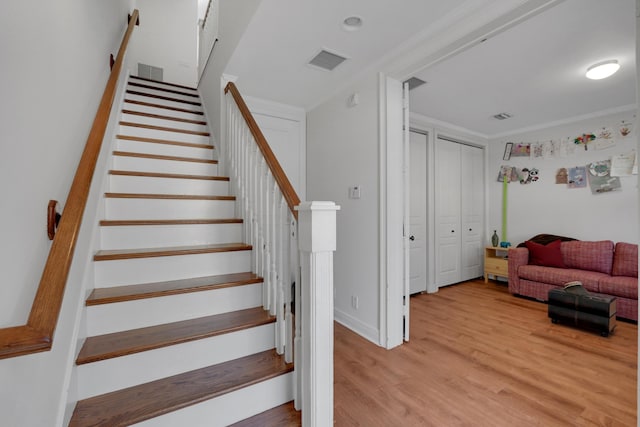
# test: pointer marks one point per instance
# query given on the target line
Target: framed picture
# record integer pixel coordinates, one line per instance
(507, 151)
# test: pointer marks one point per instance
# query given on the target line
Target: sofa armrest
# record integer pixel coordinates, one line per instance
(517, 257)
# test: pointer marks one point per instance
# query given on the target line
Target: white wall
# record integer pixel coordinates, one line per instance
(234, 18)
(342, 151)
(55, 67)
(167, 38)
(546, 207)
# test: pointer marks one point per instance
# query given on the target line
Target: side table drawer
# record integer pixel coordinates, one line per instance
(496, 266)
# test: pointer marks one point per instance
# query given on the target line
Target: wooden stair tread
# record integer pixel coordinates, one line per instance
(166, 107)
(176, 92)
(165, 196)
(164, 141)
(163, 117)
(116, 254)
(164, 128)
(138, 403)
(139, 222)
(118, 344)
(163, 157)
(163, 83)
(172, 287)
(168, 175)
(164, 98)
(280, 416)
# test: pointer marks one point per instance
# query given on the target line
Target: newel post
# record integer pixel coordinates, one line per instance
(314, 344)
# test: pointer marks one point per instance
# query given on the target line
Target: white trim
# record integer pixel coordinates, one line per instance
(394, 211)
(422, 120)
(568, 120)
(382, 211)
(356, 325)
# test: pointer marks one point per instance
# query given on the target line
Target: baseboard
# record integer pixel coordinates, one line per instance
(357, 326)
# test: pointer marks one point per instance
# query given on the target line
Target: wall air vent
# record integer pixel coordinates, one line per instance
(414, 82)
(327, 60)
(150, 72)
(502, 116)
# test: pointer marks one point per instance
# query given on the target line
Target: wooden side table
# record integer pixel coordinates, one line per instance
(495, 262)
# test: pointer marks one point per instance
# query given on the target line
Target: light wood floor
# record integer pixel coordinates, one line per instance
(479, 356)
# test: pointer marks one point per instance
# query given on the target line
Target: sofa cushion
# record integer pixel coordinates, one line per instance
(619, 286)
(592, 256)
(625, 260)
(547, 255)
(561, 276)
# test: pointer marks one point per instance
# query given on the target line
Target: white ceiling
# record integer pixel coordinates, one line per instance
(534, 71)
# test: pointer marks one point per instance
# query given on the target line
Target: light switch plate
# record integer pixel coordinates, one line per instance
(354, 192)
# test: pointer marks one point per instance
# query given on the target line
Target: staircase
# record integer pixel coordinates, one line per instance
(177, 335)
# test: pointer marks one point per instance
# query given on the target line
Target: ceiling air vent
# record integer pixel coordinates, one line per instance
(150, 72)
(414, 82)
(327, 60)
(502, 116)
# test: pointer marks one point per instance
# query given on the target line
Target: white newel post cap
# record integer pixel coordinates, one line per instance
(317, 226)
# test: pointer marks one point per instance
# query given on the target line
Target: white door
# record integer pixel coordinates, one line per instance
(472, 208)
(447, 200)
(283, 136)
(417, 212)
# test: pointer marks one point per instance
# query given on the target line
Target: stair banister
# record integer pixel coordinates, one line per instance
(270, 206)
(280, 176)
(37, 334)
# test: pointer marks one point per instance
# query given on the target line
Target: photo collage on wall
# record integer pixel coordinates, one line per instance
(602, 176)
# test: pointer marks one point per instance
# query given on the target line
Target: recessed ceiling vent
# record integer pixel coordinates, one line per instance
(502, 116)
(327, 60)
(414, 82)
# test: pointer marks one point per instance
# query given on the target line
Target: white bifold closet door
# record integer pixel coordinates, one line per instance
(459, 211)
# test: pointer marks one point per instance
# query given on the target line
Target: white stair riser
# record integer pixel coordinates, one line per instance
(117, 208)
(126, 371)
(141, 164)
(153, 100)
(162, 111)
(164, 122)
(160, 134)
(161, 92)
(123, 316)
(154, 185)
(162, 85)
(154, 236)
(231, 407)
(164, 149)
(160, 269)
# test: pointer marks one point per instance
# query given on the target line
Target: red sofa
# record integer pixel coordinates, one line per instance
(601, 266)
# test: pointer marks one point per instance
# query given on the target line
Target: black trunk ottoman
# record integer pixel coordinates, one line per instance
(589, 311)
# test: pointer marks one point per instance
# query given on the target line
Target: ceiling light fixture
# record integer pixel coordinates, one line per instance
(602, 70)
(352, 23)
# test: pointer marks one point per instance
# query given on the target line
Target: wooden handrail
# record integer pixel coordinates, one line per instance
(280, 176)
(37, 334)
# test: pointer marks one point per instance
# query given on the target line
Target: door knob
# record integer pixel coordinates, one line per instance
(412, 238)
